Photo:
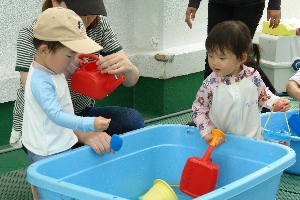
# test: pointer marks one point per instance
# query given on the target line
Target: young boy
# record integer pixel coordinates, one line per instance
(49, 120)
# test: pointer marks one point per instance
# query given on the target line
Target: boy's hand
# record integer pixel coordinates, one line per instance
(81, 61)
(101, 123)
(207, 138)
(99, 141)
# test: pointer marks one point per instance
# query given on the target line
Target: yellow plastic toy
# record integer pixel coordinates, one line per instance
(283, 29)
(159, 191)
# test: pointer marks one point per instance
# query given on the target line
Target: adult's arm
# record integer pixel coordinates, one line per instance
(274, 5)
(194, 3)
(190, 13)
(274, 13)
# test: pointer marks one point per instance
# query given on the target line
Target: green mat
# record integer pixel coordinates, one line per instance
(289, 187)
(13, 186)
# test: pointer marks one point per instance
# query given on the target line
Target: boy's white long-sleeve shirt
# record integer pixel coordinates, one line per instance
(49, 120)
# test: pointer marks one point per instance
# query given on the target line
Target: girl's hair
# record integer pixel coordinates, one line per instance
(48, 4)
(53, 46)
(234, 36)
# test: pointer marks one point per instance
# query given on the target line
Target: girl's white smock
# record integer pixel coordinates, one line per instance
(231, 103)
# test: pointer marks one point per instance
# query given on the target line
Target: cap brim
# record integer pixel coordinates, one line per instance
(86, 45)
(86, 7)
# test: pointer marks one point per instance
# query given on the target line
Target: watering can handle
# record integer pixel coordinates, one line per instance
(89, 56)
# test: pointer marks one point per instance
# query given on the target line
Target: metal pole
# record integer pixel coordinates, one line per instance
(167, 116)
(8, 150)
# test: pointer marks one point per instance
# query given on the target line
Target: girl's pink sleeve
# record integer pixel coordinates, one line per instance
(265, 97)
(201, 108)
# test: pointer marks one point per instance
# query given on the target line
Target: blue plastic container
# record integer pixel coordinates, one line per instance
(277, 123)
(249, 169)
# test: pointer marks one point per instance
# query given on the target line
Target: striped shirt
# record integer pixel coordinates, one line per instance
(103, 35)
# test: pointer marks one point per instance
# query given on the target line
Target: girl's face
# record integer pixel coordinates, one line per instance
(225, 64)
(58, 61)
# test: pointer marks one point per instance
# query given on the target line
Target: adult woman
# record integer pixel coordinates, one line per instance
(114, 61)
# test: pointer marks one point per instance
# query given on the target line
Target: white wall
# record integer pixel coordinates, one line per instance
(14, 15)
(144, 28)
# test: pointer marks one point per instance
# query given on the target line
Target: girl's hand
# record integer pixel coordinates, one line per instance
(282, 105)
(207, 138)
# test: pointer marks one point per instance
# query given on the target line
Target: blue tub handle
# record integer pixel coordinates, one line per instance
(268, 119)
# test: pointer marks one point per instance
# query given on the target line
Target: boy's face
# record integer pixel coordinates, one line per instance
(60, 60)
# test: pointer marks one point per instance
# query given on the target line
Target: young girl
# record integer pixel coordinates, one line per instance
(230, 97)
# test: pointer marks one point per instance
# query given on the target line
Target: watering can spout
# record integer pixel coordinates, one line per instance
(113, 84)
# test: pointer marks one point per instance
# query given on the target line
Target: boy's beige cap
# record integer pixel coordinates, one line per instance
(64, 25)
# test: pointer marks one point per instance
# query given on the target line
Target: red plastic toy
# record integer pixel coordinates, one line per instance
(200, 175)
(89, 81)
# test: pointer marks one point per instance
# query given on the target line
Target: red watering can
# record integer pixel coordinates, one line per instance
(89, 81)
(200, 175)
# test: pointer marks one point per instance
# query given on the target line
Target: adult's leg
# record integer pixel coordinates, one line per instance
(217, 12)
(251, 16)
(123, 119)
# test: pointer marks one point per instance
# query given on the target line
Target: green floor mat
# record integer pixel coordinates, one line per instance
(13, 186)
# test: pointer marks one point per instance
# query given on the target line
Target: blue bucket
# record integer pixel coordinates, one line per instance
(278, 130)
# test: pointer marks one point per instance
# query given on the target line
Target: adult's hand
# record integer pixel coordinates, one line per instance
(119, 64)
(274, 17)
(190, 15)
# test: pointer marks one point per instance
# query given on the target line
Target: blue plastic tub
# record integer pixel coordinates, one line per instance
(249, 169)
(277, 122)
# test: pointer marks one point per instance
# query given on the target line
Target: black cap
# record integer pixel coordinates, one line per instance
(86, 7)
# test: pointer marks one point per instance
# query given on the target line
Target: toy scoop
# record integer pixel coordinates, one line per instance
(89, 81)
(116, 142)
(200, 175)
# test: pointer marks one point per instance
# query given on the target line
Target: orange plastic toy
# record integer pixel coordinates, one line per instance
(89, 81)
(200, 175)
